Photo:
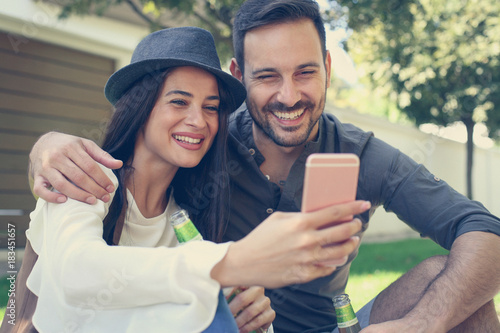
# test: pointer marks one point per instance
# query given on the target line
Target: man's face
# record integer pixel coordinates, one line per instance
(286, 80)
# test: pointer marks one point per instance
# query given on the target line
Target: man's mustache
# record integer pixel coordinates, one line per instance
(277, 106)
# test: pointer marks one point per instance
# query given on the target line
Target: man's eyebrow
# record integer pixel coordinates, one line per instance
(263, 70)
(272, 69)
(309, 64)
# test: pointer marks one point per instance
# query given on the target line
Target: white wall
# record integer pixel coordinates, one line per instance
(444, 158)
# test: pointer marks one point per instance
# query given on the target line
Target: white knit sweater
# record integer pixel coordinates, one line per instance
(145, 285)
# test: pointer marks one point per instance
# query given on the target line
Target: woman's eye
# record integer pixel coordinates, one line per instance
(212, 108)
(178, 102)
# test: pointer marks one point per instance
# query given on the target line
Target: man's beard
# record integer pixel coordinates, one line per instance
(260, 119)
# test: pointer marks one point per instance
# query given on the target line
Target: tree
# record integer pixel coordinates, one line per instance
(439, 60)
(213, 15)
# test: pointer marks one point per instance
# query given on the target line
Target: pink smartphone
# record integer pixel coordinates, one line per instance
(329, 179)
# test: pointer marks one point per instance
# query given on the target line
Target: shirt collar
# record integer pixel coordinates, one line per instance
(245, 136)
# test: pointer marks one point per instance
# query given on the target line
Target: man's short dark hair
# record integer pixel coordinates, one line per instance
(257, 13)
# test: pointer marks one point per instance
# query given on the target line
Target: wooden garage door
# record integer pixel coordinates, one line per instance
(43, 87)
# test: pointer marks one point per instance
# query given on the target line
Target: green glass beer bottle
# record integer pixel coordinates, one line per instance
(347, 321)
(184, 228)
(186, 231)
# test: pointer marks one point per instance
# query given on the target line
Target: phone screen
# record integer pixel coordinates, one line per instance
(329, 179)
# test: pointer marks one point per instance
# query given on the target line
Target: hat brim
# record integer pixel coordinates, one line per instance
(123, 79)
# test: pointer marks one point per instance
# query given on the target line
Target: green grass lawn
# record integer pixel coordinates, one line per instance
(4, 291)
(376, 266)
(380, 264)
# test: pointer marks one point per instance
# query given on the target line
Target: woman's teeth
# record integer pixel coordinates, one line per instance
(186, 139)
(288, 115)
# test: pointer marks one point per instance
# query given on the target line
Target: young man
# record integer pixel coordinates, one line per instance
(280, 57)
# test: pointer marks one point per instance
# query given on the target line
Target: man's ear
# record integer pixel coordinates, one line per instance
(328, 67)
(235, 70)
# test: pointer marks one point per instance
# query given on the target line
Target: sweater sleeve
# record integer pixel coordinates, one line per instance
(76, 264)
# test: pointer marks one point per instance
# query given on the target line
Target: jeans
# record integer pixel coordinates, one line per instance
(224, 320)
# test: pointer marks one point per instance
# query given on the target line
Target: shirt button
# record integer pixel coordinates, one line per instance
(251, 151)
(268, 178)
(269, 210)
(436, 178)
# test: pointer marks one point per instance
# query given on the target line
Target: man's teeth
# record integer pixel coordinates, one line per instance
(186, 139)
(288, 115)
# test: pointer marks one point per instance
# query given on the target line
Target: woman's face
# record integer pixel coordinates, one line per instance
(184, 121)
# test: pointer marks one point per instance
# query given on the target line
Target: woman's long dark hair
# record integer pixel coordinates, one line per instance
(203, 190)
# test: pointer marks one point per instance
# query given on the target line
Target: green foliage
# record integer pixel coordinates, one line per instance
(437, 60)
(4, 290)
(213, 15)
(81, 7)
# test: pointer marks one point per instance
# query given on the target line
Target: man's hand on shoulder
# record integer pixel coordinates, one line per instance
(69, 165)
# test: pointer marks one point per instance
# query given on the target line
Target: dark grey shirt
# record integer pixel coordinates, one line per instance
(387, 178)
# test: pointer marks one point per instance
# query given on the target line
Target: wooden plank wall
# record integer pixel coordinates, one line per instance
(43, 87)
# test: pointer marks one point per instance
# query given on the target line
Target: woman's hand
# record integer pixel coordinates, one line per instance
(289, 248)
(252, 310)
(68, 163)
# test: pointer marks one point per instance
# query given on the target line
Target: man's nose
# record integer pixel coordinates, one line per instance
(289, 94)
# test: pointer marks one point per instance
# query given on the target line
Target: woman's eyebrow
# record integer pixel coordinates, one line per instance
(185, 93)
(180, 92)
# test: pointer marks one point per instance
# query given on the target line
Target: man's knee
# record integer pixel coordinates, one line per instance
(401, 296)
(419, 277)
(432, 266)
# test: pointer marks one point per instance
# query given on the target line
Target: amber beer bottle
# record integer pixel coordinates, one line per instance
(347, 321)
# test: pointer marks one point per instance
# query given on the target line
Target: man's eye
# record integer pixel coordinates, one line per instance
(266, 77)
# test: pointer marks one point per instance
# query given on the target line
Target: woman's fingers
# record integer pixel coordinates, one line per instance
(335, 214)
(290, 248)
(260, 323)
(337, 254)
(252, 310)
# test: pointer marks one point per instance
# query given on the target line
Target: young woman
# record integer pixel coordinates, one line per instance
(169, 128)
(171, 109)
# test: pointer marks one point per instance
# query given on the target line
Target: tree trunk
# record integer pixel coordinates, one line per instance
(469, 124)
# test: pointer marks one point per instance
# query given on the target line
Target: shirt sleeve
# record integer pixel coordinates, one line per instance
(422, 200)
(68, 239)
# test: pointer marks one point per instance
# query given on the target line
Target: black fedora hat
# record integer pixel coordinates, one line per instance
(172, 47)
